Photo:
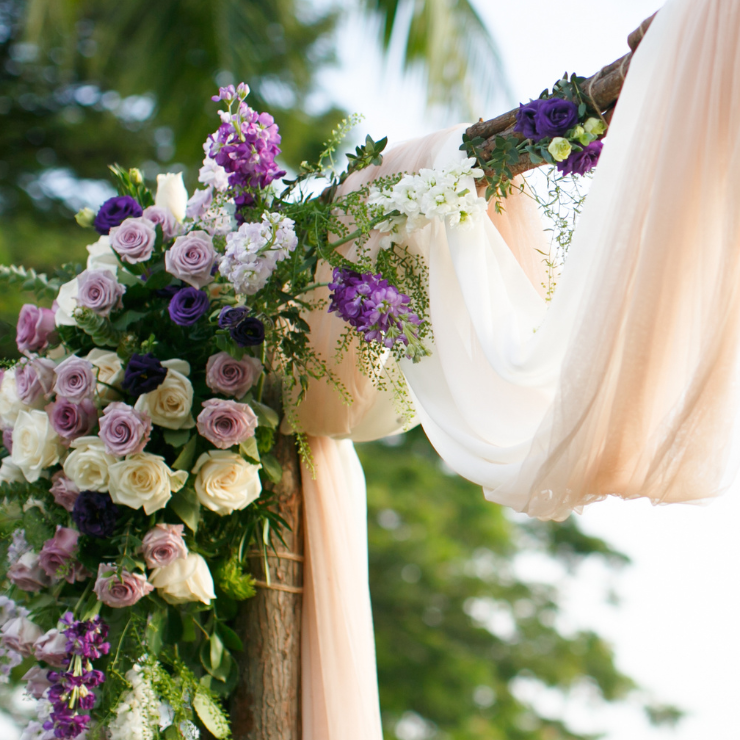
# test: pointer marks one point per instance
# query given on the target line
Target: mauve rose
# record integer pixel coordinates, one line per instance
(133, 240)
(122, 590)
(124, 430)
(57, 555)
(33, 379)
(72, 420)
(191, 258)
(526, 120)
(226, 423)
(579, 163)
(163, 545)
(555, 117)
(8, 439)
(27, 574)
(75, 379)
(163, 216)
(99, 291)
(36, 681)
(114, 211)
(64, 491)
(35, 326)
(199, 203)
(51, 647)
(19, 634)
(232, 377)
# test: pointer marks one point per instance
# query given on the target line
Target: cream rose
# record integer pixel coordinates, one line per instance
(110, 373)
(101, 256)
(170, 404)
(226, 481)
(144, 480)
(171, 194)
(35, 444)
(66, 304)
(88, 465)
(185, 579)
(10, 404)
(10, 473)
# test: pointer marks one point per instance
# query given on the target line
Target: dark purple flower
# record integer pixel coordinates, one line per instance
(231, 316)
(526, 123)
(115, 211)
(95, 514)
(555, 117)
(249, 333)
(188, 305)
(143, 374)
(579, 163)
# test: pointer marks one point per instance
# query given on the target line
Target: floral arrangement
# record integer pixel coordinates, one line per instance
(562, 128)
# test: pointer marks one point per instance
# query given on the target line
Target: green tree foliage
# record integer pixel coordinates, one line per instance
(440, 571)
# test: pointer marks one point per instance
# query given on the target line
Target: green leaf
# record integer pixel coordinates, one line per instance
(173, 628)
(217, 651)
(249, 449)
(267, 416)
(186, 505)
(230, 638)
(272, 468)
(155, 631)
(127, 318)
(176, 437)
(184, 460)
(211, 715)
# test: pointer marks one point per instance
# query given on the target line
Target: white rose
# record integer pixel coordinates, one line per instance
(170, 404)
(171, 194)
(88, 464)
(144, 480)
(66, 304)
(35, 444)
(10, 404)
(110, 372)
(183, 580)
(10, 473)
(102, 256)
(226, 481)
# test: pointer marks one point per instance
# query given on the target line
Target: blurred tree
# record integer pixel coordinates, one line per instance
(461, 641)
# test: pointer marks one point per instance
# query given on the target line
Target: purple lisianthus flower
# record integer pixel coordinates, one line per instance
(249, 333)
(71, 420)
(35, 327)
(165, 218)
(579, 163)
(133, 241)
(143, 374)
(188, 305)
(191, 258)
(115, 211)
(526, 120)
(124, 430)
(99, 291)
(232, 316)
(95, 514)
(33, 379)
(75, 379)
(555, 117)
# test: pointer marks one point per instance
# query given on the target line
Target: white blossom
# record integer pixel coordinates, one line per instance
(18, 546)
(137, 714)
(213, 174)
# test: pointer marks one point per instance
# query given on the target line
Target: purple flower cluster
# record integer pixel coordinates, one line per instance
(376, 309)
(245, 330)
(143, 374)
(552, 117)
(95, 514)
(72, 689)
(115, 211)
(579, 163)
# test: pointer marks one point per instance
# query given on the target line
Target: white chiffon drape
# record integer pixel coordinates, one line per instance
(625, 385)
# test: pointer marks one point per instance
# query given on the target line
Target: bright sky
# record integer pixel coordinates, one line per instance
(675, 631)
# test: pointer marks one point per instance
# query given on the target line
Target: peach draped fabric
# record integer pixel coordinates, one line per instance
(626, 385)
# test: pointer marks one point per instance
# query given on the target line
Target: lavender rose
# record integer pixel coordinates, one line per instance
(163, 216)
(72, 420)
(33, 379)
(120, 590)
(20, 634)
(114, 211)
(199, 203)
(99, 291)
(232, 377)
(555, 117)
(226, 423)
(191, 258)
(124, 430)
(64, 491)
(35, 327)
(51, 647)
(36, 681)
(133, 241)
(526, 120)
(27, 574)
(579, 163)
(57, 556)
(163, 545)
(75, 379)
(187, 306)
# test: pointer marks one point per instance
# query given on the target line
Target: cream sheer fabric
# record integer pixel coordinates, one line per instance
(625, 385)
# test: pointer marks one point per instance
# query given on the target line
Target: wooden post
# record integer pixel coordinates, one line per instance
(267, 702)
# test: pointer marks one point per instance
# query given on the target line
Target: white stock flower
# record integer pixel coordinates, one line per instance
(101, 256)
(184, 580)
(110, 372)
(170, 404)
(137, 712)
(88, 465)
(35, 444)
(10, 404)
(171, 194)
(226, 482)
(213, 174)
(144, 480)
(10, 472)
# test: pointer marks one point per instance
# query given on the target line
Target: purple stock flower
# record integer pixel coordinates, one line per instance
(248, 333)
(187, 306)
(526, 123)
(143, 374)
(231, 316)
(555, 117)
(579, 163)
(115, 211)
(95, 514)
